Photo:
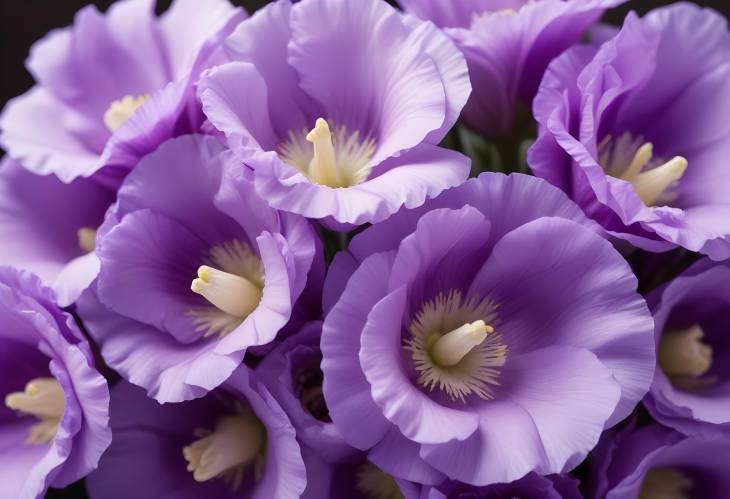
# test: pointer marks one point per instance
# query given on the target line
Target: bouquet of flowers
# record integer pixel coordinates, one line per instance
(348, 249)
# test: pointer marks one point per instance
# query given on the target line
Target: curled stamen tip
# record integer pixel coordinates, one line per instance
(321, 129)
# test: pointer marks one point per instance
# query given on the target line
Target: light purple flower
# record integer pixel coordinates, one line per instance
(292, 374)
(488, 334)
(507, 45)
(657, 462)
(691, 388)
(48, 227)
(114, 86)
(234, 442)
(531, 486)
(620, 130)
(55, 415)
(338, 106)
(189, 214)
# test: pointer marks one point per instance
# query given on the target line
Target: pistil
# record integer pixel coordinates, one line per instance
(451, 348)
(87, 239)
(237, 442)
(44, 399)
(323, 167)
(665, 483)
(231, 293)
(684, 358)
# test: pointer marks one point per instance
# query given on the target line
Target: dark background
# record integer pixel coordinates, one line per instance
(24, 21)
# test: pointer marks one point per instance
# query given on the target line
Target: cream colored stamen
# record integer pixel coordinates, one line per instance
(684, 358)
(374, 483)
(236, 443)
(665, 483)
(233, 294)
(44, 399)
(338, 159)
(87, 239)
(452, 347)
(633, 161)
(121, 110)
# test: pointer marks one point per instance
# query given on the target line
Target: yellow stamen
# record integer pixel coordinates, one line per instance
(231, 293)
(121, 110)
(684, 358)
(237, 442)
(87, 239)
(665, 483)
(44, 399)
(374, 483)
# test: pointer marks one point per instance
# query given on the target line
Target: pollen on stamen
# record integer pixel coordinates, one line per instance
(633, 160)
(44, 399)
(232, 283)
(455, 347)
(335, 159)
(87, 239)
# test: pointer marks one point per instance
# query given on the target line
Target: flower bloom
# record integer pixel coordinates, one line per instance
(507, 45)
(55, 412)
(619, 133)
(292, 373)
(531, 486)
(338, 106)
(690, 389)
(61, 253)
(655, 462)
(490, 333)
(234, 442)
(195, 268)
(114, 86)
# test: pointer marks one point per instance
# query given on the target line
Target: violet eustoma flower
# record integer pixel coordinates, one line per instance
(619, 130)
(234, 442)
(691, 388)
(55, 412)
(48, 227)
(195, 268)
(531, 486)
(114, 86)
(655, 462)
(338, 106)
(292, 374)
(488, 334)
(507, 45)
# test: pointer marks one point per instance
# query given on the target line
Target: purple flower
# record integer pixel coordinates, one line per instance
(338, 106)
(619, 130)
(655, 462)
(354, 478)
(691, 388)
(507, 45)
(292, 374)
(189, 214)
(48, 227)
(488, 334)
(55, 415)
(531, 486)
(114, 86)
(234, 442)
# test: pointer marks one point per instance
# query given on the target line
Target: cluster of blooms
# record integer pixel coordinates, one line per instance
(243, 257)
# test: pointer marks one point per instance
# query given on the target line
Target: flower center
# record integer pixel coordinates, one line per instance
(341, 159)
(377, 484)
(684, 358)
(227, 452)
(121, 110)
(455, 348)
(233, 284)
(632, 160)
(308, 388)
(665, 483)
(87, 239)
(42, 398)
